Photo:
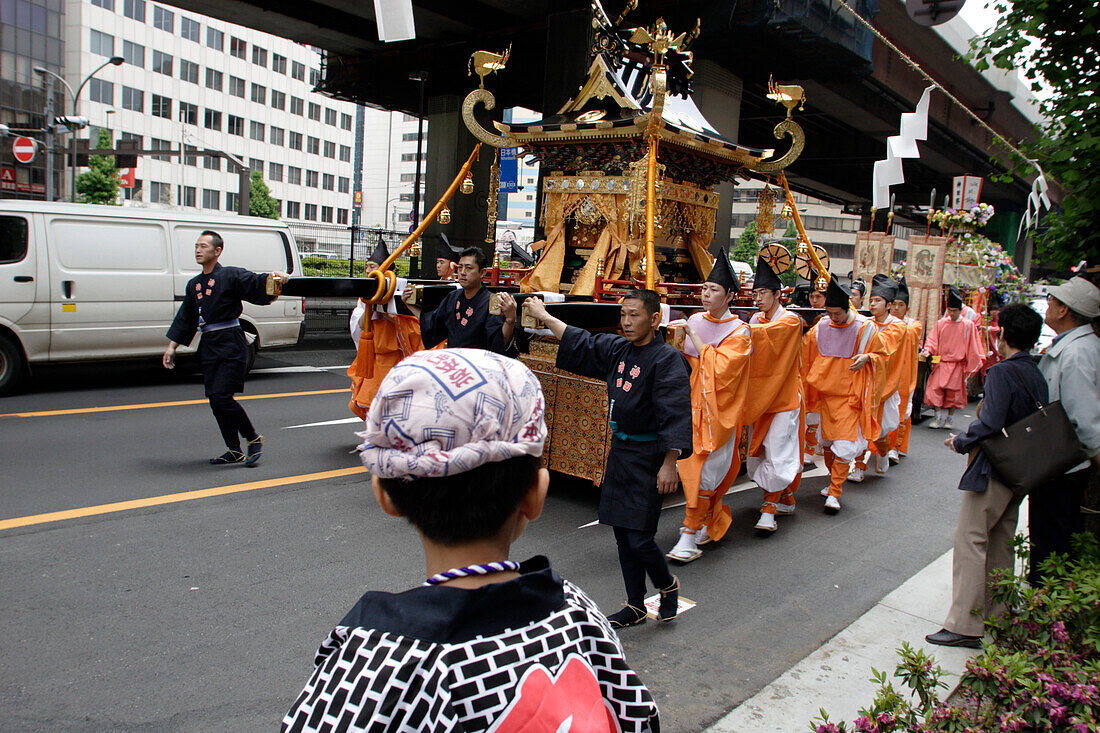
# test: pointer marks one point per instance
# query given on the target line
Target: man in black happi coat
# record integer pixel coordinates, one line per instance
(212, 305)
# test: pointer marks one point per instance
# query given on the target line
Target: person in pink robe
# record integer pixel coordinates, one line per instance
(958, 344)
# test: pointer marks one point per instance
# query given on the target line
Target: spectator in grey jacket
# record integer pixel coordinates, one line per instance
(1072, 370)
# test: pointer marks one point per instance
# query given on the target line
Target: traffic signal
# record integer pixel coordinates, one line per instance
(71, 122)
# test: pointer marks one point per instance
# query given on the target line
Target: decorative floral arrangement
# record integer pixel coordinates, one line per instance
(997, 270)
(976, 217)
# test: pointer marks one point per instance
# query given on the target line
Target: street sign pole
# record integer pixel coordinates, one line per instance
(49, 136)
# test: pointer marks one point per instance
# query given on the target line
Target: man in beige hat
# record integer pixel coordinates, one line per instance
(1071, 366)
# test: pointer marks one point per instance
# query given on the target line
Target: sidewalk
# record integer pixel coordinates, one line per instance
(837, 676)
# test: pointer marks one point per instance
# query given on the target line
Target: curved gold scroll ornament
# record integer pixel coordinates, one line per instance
(484, 96)
(798, 142)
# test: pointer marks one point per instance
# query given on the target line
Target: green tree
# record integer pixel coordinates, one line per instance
(260, 200)
(748, 244)
(99, 184)
(1053, 45)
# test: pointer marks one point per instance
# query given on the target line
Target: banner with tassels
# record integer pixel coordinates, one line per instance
(924, 277)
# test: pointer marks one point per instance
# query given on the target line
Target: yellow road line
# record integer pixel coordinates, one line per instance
(120, 506)
(147, 405)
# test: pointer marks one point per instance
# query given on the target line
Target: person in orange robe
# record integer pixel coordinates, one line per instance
(390, 339)
(894, 337)
(813, 417)
(773, 406)
(717, 345)
(914, 334)
(958, 343)
(839, 351)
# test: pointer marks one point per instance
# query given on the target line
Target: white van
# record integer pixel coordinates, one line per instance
(81, 282)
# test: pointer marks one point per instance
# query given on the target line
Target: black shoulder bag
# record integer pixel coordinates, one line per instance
(1035, 449)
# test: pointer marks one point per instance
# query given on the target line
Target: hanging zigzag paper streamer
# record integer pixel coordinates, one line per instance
(1035, 200)
(914, 127)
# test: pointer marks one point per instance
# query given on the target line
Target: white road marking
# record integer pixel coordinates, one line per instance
(342, 421)
(343, 368)
(286, 370)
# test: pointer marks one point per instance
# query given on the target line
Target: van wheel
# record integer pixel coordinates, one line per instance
(12, 366)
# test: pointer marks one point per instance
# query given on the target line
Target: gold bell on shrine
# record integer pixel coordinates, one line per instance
(445, 216)
(803, 248)
(787, 212)
(467, 184)
(821, 284)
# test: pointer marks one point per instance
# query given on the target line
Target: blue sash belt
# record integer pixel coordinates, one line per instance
(220, 326)
(636, 437)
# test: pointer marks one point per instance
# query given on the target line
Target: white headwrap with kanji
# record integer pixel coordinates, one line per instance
(447, 411)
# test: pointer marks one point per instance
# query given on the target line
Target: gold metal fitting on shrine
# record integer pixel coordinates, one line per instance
(274, 285)
(494, 304)
(467, 184)
(445, 216)
(416, 248)
(527, 320)
(821, 284)
(417, 296)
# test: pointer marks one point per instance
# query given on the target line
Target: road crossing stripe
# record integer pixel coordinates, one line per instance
(179, 403)
(120, 506)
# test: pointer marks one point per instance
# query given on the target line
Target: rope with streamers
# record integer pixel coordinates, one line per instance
(471, 570)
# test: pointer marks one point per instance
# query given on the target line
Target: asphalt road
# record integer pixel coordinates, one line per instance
(198, 605)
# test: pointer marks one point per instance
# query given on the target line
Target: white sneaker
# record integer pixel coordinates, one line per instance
(936, 423)
(882, 464)
(701, 537)
(685, 550)
(788, 509)
(766, 523)
(856, 475)
(825, 491)
(832, 505)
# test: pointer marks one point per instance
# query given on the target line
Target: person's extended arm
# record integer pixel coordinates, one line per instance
(537, 308)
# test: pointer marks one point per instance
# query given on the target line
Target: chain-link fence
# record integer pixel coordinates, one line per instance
(326, 248)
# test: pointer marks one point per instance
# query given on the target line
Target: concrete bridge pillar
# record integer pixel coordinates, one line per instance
(718, 97)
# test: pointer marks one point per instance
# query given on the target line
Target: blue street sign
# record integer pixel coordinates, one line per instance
(509, 170)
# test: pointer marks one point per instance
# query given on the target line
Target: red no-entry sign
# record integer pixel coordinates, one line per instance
(23, 149)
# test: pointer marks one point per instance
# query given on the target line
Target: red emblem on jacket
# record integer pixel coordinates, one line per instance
(570, 701)
(635, 371)
(210, 282)
(622, 365)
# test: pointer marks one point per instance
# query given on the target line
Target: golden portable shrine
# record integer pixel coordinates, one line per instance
(628, 199)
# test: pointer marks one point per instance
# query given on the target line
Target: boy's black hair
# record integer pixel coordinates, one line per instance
(1020, 326)
(215, 238)
(650, 300)
(479, 257)
(470, 506)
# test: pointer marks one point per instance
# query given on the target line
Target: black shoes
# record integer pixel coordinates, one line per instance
(943, 637)
(255, 450)
(670, 601)
(628, 616)
(230, 456)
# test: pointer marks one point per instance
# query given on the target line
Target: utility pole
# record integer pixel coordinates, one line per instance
(422, 77)
(49, 136)
(357, 183)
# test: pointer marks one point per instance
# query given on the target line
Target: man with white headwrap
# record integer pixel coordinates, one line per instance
(453, 442)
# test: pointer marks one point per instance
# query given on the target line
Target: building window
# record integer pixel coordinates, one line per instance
(134, 9)
(295, 142)
(131, 136)
(214, 79)
(311, 178)
(236, 86)
(158, 144)
(105, 4)
(189, 29)
(190, 155)
(313, 145)
(259, 94)
(293, 210)
(278, 99)
(297, 104)
(101, 91)
(212, 119)
(162, 107)
(278, 63)
(406, 197)
(314, 77)
(189, 113)
(294, 175)
(102, 44)
(298, 70)
(328, 182)
(189, 71)
(211, 199)
(215, 39)
(257, 165)
(165, 20)
(238, 47)
(311, 212)
(133, 99)
(234, 125)
(259, 56)
(134, 53)
(409, 137)
(256, 130)
(408, 157)
(159, 193)
(326, 214)
(314, 111)
(232, 201)
(408, 177)
(187, 196)
(344, 185)
(133, 193)
(275, 172)
(330, 149)
(162, 63)
(330, 116)
(277, 135)
(345, 121)
(341, 216)
(345, 153)
(212, 162)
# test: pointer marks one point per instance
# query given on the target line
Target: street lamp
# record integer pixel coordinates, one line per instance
(113, 61)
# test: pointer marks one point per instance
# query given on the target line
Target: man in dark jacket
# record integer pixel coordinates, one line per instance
(990, 510)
